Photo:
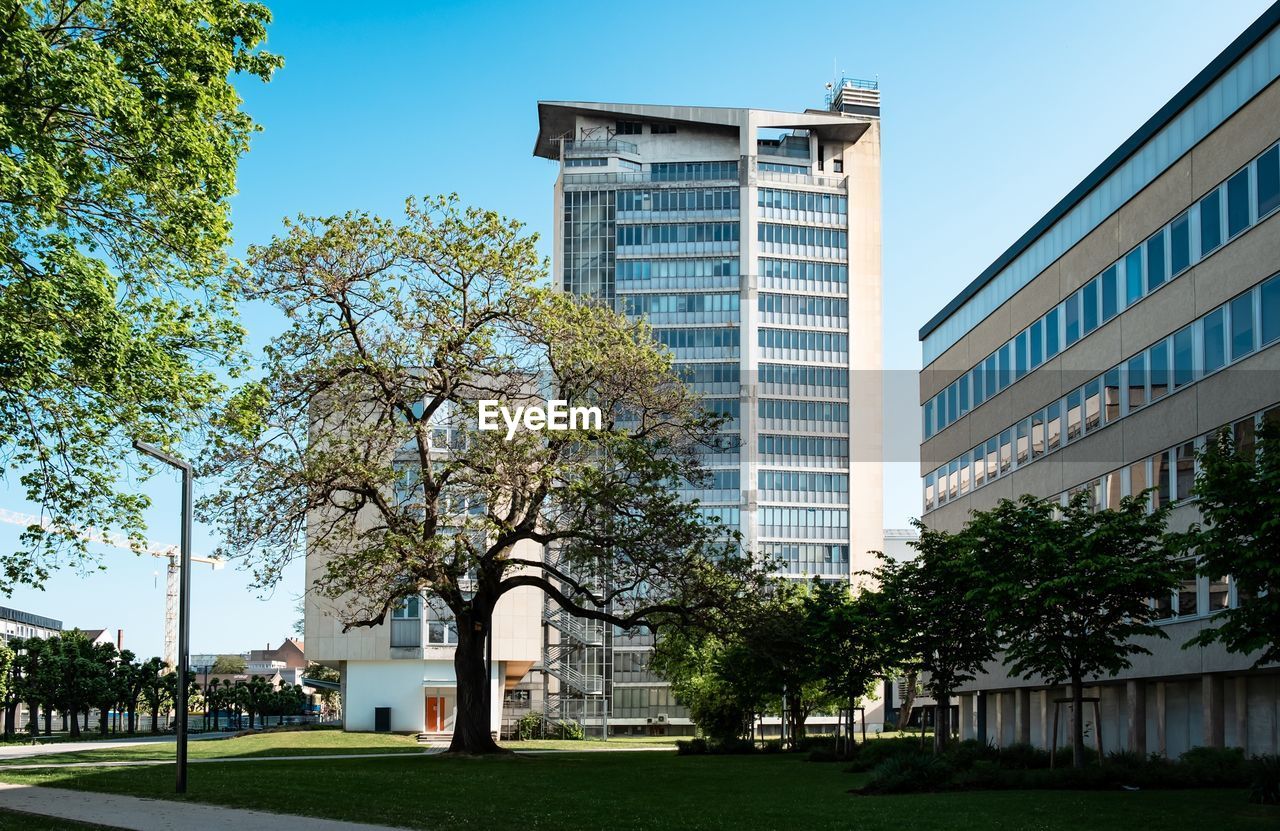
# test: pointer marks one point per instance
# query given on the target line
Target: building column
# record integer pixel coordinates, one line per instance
(1022, 715)
(1044, 701)
(982, 718)
(966, 716)
(1162, 712)
(1242, 712)
(1211, 692)
(1002, 713)
(1136, 704)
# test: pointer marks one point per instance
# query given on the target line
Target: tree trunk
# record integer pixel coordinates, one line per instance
(471, 732)
(908, 700)
(10, 721)
(75, 724)
(133, 718)
(942, 724)
(104, 720)
(1077, 722)
(33, 718)
(48, 721)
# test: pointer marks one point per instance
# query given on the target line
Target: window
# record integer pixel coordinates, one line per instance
(1137, 371)
(662, 129)
(1137, 478)
(979, 467)
(1092, 405)
(1020, 355)
(1037, 343)
(1037, 435)
(993, 450)
(1218, 594)
(1051, 334)
(1111, 394)
(1023, 434)
(1006, 451)
(1241, 326)
(1269, 297)
(1268, 181)
(1159, 370)
(1187, 592)
(1155, 261)
(1089, 297)
(628, 128)
(1180, 244)
(1053, 426)
(1210, 222)
(1215, 349)
(1109, 294)
(1006, 366)
(1184, 369)
(1074, 419)
(1133, 277)
(1185, 463)
(1160, 479)
(1237, 203)
(1073, 318)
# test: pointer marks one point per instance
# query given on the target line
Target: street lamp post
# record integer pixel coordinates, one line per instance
(184, 604)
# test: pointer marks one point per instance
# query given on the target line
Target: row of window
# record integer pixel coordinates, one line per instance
(801, 235)
(692, 171)
(804, 270)
(719, 480)
(723, 406)
(809, 376)
(580, 161)
(798, 304)
(1227, 334)
(711, 373)
(776, 167)
(678, 232)
(799, 200)
(725, 336)
(1224, 213)
(646, 304)
(701, 199)
(729, 516)
(802, 445)
(807, 557)
(635, 128)
(655, 269)
(793, 410)
(800, 519)
(794, 480)
(802, 339)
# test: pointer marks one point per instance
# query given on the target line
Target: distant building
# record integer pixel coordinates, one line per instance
(289, 654)
(98, 636)
(15, 624)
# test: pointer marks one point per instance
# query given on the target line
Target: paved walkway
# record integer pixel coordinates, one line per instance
(139, 814)
(21, 751)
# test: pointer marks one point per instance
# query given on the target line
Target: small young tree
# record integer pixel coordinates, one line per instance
(937, 618)
(855, 643)
(150, 681)
(1069, 593)
(364, 439)
(1239, 493)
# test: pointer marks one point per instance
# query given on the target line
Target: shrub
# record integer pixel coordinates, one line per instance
(529, 727)
(1214, 766)
(691, 747)
(874, 751)
(1023, 757)
(569, 730)
(908, 773)
(1264, 780)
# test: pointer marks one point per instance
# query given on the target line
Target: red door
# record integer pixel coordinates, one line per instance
(435, 714)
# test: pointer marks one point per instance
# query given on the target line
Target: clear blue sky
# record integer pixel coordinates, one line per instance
(991, 112)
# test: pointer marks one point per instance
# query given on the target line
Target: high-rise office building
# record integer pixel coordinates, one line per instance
(1137, 317)
(750, 241)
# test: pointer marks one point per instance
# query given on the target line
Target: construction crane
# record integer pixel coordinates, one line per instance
(168, 552)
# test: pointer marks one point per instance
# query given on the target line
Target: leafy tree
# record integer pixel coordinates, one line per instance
(1068, 589)
(106, 682)
(151, 683)
(855, 643)
(121, 135)
(937, 617)
(10, 689)
(330, 700)
(228, 665)
(1239, 500)
(708, 676)
(396, 331)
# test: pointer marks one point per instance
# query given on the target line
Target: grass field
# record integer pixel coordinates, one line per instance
(649, 791)
(14, 821)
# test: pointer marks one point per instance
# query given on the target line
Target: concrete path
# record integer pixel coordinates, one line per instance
(139, 814)
(21, 751)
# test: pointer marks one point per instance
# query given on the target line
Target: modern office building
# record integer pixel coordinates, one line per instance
(750, 241)
(1137, 316)
(17, 625)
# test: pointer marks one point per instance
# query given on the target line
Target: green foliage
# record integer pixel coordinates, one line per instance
(1264, 780)
(121, 134)
(1068, 590)
(228, 665)
(529, 727)
(1239, 500)
(568, 730)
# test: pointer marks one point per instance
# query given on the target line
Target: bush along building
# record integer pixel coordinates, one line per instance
(1136, 318)
(750, 241)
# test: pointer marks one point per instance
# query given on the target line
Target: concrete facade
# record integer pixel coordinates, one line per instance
(1174, 698)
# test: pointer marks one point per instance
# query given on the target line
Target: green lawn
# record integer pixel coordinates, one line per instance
(644, 791)
(284, 743)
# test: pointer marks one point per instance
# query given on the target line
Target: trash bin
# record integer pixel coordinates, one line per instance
(382, 719)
